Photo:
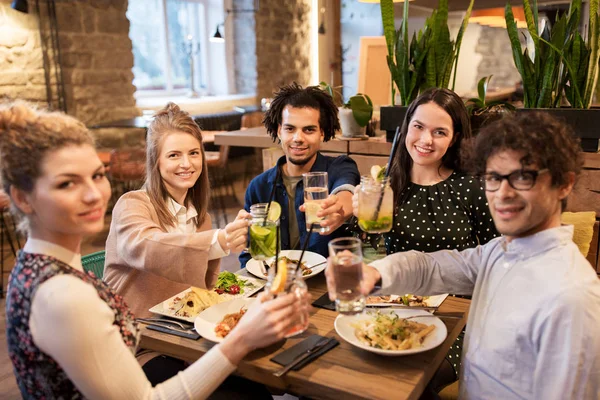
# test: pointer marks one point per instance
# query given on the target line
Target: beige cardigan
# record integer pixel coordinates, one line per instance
(147, 265)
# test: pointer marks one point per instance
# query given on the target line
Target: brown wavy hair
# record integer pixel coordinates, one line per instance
(27, 135)
(310, 97)
(168, 120)
(461, 125)
(545, 141)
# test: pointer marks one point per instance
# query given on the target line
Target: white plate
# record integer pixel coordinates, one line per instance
(343, 326)
(255, 267)
(208, 319)
(431, 301)
(164, 308)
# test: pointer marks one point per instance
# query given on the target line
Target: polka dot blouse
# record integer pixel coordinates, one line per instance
(452, 214)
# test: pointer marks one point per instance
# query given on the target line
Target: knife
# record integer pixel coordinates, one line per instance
(303, 356)
(394, 305)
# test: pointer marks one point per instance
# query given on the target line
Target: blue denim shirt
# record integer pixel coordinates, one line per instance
(341, 171)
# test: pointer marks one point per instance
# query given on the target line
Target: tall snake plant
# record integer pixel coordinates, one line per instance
(426, 59)
(563, 62)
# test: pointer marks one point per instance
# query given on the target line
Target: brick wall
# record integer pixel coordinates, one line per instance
(96, 57)
(282, 44)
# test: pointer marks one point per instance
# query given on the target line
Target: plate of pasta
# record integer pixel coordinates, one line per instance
(388, 331)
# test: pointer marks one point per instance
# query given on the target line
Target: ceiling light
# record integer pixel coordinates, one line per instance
(20, 5)
(217, 37)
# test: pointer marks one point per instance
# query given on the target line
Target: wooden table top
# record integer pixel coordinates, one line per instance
(346, 372)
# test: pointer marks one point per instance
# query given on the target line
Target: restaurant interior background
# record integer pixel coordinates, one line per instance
(111, 60)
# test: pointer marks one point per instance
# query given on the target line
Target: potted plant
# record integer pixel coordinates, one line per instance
(483, 112)
(417, 63)
(563, 69)
(355, 114)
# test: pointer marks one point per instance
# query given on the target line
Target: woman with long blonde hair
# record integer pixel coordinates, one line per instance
(161, 240)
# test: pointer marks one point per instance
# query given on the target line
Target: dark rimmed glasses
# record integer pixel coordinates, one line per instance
(522, 179)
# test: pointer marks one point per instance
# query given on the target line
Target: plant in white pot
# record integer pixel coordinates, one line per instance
(354, 114)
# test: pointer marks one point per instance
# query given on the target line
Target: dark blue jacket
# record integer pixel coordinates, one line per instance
(341, 170)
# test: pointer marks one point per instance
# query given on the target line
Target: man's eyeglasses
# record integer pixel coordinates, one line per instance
(519, 180)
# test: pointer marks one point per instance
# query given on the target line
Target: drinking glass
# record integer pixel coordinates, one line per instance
(373, 193)
(262, 232)
(346, 255)
(315, 191)
(294, 283)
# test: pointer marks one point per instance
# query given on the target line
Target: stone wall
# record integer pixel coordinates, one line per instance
(282, 44)
(496, 58)
(96, 55)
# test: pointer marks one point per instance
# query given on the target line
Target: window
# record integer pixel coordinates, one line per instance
(165, 33)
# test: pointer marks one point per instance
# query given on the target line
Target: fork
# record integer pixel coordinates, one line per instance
(441, 315)
(158, 321)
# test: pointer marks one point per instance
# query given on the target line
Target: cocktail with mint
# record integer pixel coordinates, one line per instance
(375, 202)
(263, 231)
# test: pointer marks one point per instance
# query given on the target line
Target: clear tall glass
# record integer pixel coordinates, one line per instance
(262, 232)
(294, 283)
(374, 192)
(346, 254)
(315, 191)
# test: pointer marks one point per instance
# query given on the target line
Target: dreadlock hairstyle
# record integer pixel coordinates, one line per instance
(310, 97)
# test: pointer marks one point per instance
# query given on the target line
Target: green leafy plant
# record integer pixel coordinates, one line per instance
(426, 59)
(360, 104)
(478, 105)
(563, 63)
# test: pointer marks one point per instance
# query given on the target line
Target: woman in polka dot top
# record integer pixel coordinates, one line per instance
(437, 206)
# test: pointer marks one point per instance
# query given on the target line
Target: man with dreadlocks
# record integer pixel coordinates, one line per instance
(301, 119)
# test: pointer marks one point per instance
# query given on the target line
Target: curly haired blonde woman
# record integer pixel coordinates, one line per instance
(69, 335)
(161, 240)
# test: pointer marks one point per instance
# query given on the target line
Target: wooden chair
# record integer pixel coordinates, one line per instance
(5, 232)
(221, 184)
(253, 165)
(127, 170)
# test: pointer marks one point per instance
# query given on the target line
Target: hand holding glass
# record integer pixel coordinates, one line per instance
(315, 191)
(375, 193)
(346, 256)
(262, 234)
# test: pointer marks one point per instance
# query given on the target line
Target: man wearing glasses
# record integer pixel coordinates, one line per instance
(534, 324)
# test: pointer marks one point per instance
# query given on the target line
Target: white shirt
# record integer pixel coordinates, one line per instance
(70, 323)
(186, 224)
(534, 323)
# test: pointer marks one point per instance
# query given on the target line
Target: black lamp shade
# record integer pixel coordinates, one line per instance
(20, 5)
(217, 34)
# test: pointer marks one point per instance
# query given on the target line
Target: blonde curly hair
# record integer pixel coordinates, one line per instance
(27, 134)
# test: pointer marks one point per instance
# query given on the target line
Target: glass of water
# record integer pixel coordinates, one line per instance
(347, 260)
(315, 191)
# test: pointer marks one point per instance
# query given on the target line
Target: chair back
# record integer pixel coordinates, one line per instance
(94, 262)
(128, 164)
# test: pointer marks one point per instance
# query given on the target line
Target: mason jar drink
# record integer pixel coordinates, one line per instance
(262, 232)
(374, 192)
(315, 191)
(288, 279)
(346, 256)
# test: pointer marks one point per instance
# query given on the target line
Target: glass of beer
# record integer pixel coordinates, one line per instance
(347, 260)
(315, 191)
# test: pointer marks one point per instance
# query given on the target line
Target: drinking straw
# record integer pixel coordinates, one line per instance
(387, 171)
(305, 244)
(271, 195)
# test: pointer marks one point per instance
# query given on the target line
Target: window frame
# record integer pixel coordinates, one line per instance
(201, 27)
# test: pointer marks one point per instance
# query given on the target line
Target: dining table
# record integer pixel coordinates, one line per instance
(345, 372)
